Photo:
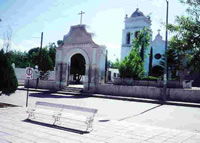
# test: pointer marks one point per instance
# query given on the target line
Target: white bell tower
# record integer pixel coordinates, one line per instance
(133, 24)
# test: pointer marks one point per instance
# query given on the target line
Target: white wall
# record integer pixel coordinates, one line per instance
(113, 72)
(21, 74)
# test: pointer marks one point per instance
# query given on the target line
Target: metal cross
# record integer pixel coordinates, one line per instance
(81, 13)
(159, 31)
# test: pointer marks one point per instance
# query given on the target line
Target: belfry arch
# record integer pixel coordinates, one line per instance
(79, 41)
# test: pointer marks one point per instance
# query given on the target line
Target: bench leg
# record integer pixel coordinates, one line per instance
(31, 115)
(89, 125)
(56, 119)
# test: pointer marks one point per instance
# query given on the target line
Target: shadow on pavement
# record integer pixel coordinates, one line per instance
(141, 112)
(49, 95)
(63, 94)
(56, 127)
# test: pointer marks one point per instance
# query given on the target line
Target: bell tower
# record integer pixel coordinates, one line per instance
(133, 24)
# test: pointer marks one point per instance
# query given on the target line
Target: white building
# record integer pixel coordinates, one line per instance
(133, 24)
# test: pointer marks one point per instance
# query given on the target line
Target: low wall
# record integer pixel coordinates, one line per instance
(154, 83)
(43, 84)
(20, 73)
(174, 94)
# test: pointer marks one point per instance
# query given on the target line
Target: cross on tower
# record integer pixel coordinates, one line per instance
(81, 13)
(159, 31)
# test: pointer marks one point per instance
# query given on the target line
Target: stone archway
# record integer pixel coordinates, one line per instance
(79, 41)
(68, 57)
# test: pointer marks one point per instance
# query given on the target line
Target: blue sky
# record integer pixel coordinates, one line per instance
(104, 18)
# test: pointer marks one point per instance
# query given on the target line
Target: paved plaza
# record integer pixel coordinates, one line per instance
(123, 121)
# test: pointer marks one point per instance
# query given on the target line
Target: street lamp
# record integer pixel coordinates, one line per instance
(166, 45)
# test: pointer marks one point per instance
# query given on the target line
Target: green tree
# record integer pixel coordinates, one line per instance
(19, 58)
(150, 61)
(8, 82)
(46, 62)
(52, 52)
(133, 66)
(173, 62)
(115, 64)
(186, 39)
(59, 42)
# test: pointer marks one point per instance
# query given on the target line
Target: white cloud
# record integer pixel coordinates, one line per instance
(25, 45)
(1, 43)
(113, 51)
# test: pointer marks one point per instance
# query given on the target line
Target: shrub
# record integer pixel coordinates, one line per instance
(8, 82)
(150, 78)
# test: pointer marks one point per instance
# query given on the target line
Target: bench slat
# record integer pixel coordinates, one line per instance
(84, 109)
(49, 104)
(71, 107)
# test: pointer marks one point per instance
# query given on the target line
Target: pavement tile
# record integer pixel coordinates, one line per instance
(104, 132)
(192, 141)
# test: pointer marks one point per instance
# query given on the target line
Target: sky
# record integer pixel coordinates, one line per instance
(104, 18)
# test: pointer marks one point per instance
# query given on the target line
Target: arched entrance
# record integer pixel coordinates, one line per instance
(77, 69)
(80, 57)
(157, 71)
(77, 62)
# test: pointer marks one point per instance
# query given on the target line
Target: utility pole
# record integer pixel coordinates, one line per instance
(40, 60)
(166, 45)
(41, 50)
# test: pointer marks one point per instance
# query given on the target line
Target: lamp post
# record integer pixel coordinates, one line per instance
(166, 45)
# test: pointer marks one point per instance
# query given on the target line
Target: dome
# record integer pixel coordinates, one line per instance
(137, 13)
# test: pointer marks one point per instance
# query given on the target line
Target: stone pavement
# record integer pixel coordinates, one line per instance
(14, 129)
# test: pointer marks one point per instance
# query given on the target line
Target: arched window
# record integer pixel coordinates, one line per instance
(128, 37)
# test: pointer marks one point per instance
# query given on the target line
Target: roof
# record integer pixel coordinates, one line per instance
(137, 13)
(78, 35)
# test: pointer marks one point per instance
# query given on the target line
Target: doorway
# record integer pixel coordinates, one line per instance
(77, 71)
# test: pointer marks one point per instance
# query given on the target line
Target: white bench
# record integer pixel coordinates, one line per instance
(60, 114)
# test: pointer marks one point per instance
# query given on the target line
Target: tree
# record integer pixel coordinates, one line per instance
(59, 42)
(186, 41)
(133, 66)
(46, 62)
(19, 58)
(115, 64)
(8, 82)
(150, 61)
(173, 63)
(52, 52)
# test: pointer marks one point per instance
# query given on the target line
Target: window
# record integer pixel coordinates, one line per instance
(157, 56)
(136, 34)
(128, 37)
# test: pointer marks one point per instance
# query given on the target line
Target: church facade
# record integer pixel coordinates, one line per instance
(133, 24)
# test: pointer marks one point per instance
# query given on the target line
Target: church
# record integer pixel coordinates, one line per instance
(133, 24)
